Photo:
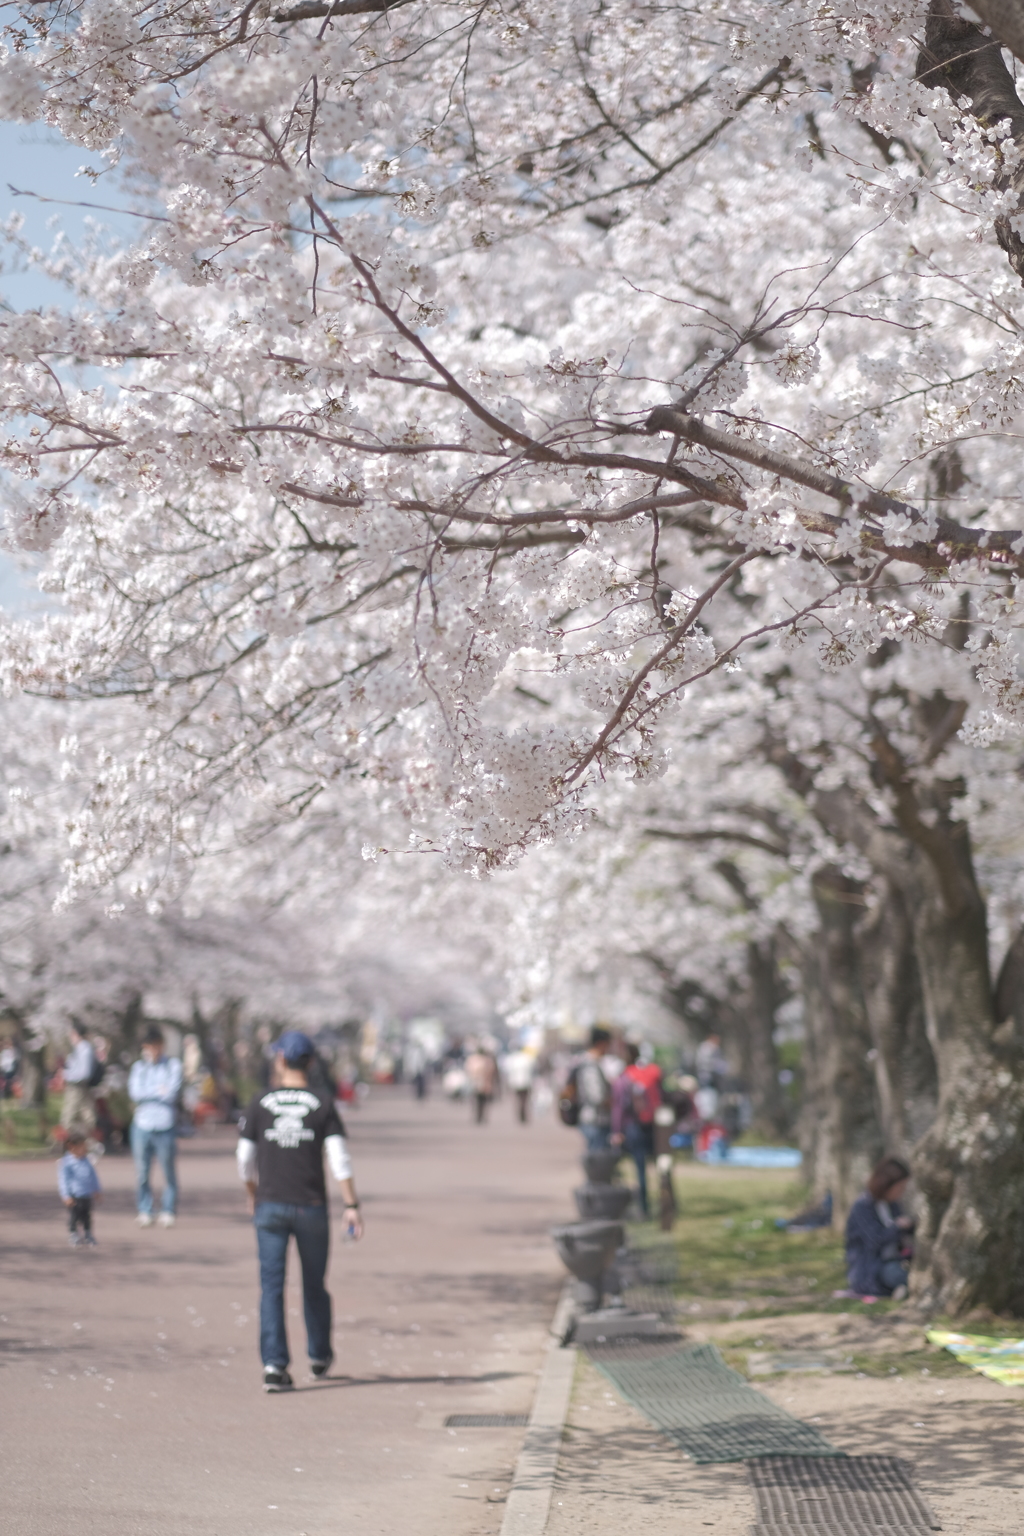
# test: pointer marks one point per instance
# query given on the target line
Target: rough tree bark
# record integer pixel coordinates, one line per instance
(959, 56)
(906, 1084)
(839, 1134)
(754, 1020)
(969, 1165)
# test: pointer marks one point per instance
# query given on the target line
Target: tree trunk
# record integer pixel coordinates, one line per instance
(33, 1074)
(969, 1166)
(906, 1083)
(840, 1135)
(756, 1019)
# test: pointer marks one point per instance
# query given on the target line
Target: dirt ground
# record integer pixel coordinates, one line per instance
(964, 1434)
(130, 1379)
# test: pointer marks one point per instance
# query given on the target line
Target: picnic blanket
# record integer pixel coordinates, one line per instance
(1000, 1359)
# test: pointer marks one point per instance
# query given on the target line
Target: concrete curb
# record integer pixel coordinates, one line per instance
(529, 1499)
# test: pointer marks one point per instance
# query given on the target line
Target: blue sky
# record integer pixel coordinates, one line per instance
(36, 159)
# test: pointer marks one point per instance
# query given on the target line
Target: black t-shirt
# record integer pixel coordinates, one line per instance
(289, 1127)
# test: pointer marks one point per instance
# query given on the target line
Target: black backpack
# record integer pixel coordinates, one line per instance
(569, 1099)
(96, 1075)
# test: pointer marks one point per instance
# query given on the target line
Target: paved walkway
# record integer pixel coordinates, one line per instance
(130, 1376)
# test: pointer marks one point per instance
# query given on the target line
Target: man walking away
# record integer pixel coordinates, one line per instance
(281, 1143)
(79, 1186)
(594, 1091)
(154, 1085)
(79, 1106)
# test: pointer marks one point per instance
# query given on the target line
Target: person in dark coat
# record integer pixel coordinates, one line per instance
(877, 1234)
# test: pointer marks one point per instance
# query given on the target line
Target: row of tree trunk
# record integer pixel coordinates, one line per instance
(908, 1048)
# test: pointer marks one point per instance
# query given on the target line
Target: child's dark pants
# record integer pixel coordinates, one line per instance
(80, 1210)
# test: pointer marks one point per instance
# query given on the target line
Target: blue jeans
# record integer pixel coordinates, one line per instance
(597, 1137)
(639, 1141)
(892, 1274)
(144, 1144)
(275, 1224)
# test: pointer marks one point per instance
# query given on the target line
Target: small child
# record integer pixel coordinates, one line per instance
(79, 1186)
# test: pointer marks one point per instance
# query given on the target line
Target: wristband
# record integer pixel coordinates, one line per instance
(352, 1205)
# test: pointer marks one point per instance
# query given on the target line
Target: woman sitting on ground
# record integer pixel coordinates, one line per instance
(877, 1242)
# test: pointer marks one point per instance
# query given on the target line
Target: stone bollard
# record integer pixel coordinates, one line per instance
(599, 1199)
(602, 1202)
(599, 1166)
(587, 1248)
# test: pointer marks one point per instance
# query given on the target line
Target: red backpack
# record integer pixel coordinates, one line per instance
(645, 1093)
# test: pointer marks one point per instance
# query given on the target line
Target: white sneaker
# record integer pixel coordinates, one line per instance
(144, 1220)
(165, 1219)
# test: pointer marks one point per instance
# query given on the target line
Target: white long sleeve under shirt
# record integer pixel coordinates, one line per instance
(339, 1160)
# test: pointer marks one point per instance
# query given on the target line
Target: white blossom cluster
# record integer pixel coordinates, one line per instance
(345, 475)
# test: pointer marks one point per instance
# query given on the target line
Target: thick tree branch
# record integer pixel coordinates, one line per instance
(716, 835)
(1005, 18)
(959, 56)
(951, 541)
(308, 9)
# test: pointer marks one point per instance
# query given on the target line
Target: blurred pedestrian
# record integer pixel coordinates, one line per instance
(414, 1067)
(712, 1066)
(80, 1079)
(154, 1086)
(594, 1091)
(79, 1187)
(636, 1094)
(482, 1071)
(9, 1060)
(519, 1068)
(283, 1136)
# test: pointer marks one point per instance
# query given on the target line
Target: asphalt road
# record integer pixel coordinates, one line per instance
(130, 1378)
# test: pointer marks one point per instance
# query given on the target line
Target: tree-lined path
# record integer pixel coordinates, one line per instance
(131, 1379)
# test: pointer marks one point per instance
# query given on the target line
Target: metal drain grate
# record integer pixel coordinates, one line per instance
(487, 1421)
(837, 1496)
(706, 1408)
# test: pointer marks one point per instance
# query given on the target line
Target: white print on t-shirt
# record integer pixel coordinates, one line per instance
(289, 1106)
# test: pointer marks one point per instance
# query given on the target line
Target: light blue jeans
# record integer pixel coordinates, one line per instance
(144, 1145)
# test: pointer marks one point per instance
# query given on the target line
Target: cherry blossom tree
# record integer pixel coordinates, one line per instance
(487, 384)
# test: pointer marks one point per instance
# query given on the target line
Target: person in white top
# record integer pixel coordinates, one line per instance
(519, 1067)
(79, 1106)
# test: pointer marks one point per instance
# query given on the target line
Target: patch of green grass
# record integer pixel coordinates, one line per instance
(25, 1130)
(730, 1248)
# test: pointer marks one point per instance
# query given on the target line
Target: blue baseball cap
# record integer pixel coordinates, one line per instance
(293, 1044)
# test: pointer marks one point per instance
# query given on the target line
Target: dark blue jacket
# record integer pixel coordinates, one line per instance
(866, 1238)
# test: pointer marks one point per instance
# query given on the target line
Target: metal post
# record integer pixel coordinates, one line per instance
(664, 1120)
